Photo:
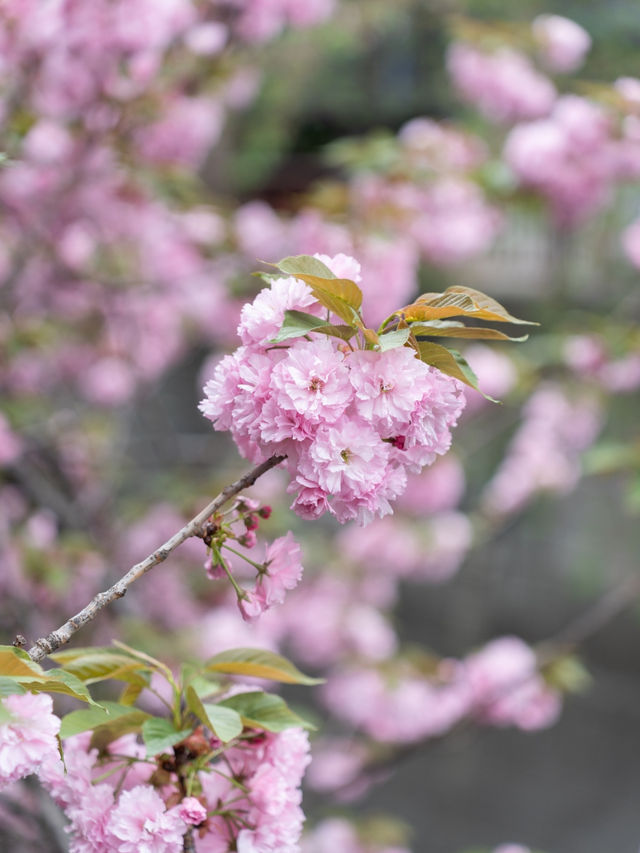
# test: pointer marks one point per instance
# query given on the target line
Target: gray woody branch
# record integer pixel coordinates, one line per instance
(45, 645)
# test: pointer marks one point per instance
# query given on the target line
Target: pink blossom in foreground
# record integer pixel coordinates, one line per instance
(563, 44)
(28, 729)
(272, 770)
(261, 319)
(350, 423)
(140, 823)
(282, 572)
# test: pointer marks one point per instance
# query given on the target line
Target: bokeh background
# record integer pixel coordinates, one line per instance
(136, 202)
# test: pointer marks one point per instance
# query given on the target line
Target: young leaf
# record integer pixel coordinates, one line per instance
(297, 323)
(259, 664)
(451, 363)
(15, 663)
(335, 303)
(298, 265)
(8, 687)
(451, 329)
(129, 695)
(59, 681)
(265, 711)
(391, 340)
(159, 735)
(105, 663)
(90, 718)
(226, 722)
(459, 302)
(324, 283)
(215, 717)
(154, 663)
(204, 687)
(126, 724)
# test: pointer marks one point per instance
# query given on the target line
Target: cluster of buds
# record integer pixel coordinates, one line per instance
(279, 571)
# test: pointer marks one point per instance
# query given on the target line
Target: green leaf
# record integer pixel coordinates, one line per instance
(259, 664)
(391, 340)
(459, 302)
(297, 323)
(298, 265)
(226, 726)
(60, 681)
(101, 664)
(159, 735)
(204, 687)
(130, 694)
(126, 724)
(226, 723)
(92, 718)
(335, 303)
(66, 655)
(330, 291)
(452, 329)
(450, 362)
(16, 663)
(153, 663)
(8, 687)
(345, 333)
(265, 711)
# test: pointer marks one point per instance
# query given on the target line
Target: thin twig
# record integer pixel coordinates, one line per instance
(45, 645)
(188, 845)
(592, 620)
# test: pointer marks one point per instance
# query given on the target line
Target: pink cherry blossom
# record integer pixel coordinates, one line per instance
(387, 385)
(140, 823)
(503, 85)
(261, 319)
(562, 43)
(28, 729)
(312, 381)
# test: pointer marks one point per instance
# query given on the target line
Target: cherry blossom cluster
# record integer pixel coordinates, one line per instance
(117, 801)
(104, 106)
(574, 156)
(544, 455)
(504, 84)
(498, 685)
(350, 423)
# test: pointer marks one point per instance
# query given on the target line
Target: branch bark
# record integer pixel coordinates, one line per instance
(46, 645)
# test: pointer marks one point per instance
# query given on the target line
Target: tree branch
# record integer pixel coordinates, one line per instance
(45, 645)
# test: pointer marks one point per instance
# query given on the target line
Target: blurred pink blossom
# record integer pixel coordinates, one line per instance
(503, 85)
(562, 43)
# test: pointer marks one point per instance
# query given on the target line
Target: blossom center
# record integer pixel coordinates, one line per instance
(385, 387)
(346, 455)
(316, 384)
